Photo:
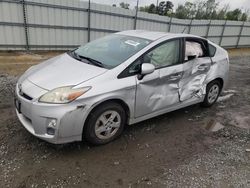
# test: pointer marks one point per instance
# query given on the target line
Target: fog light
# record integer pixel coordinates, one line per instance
(50, 131)
(52, 123)
(51, 126)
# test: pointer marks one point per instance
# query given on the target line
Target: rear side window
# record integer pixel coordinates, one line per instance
(196, 47)
(193, 48)
(212, 50)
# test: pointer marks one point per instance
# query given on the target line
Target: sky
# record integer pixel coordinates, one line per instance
(243, 4)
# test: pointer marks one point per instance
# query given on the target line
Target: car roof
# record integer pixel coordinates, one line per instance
(153, 35)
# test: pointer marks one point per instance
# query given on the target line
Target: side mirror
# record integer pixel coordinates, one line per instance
(147, 68)
(191, 57)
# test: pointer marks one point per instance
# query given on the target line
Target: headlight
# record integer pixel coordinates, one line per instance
(63, 95)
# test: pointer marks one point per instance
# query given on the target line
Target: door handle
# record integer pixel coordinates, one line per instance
(175, 77)
(203, 67)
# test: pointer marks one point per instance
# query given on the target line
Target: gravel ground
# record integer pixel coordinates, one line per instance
(178, 149)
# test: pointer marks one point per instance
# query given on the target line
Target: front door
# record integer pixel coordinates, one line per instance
(159, 89)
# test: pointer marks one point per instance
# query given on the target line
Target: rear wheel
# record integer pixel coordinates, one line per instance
(105, 124)
(212, 93)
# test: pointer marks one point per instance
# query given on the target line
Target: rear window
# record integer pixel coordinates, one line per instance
(212, 50)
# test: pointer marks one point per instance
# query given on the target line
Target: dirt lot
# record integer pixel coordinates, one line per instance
(177, 149)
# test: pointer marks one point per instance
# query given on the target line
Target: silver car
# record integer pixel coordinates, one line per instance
(92, 92)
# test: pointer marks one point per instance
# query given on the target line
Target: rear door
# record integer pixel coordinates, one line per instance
(159, 90)
(196, 65)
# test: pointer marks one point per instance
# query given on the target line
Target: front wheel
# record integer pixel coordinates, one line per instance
(212, 93)
(105, 124)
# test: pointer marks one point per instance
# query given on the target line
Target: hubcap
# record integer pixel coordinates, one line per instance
(107, 124)
(213, 93)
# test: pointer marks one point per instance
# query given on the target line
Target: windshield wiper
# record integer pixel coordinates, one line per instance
(92, 61)
(75, 55)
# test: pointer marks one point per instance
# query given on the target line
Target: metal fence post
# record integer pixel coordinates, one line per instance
(190, 25)
(25, 25)
(208, 28)
(170, 23)
(136, 12)
(222, 33)
(238, 40)
(89, 21)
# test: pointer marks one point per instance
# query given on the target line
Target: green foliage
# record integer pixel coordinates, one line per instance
(124, 5)
(152, 8)
(201, 9)
(244, 17)
(165, 8)
(186, 11)
(237, 15)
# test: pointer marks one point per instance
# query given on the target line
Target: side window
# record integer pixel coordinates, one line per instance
(164, 55)
(193, 49)
(212, 50)
(131, 70)
(135, 67)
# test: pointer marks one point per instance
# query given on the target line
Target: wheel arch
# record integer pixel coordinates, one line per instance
(121, 102)
(218, 79)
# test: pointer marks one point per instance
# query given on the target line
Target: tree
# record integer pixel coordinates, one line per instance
(161, 8)
(244, 17)
(124, 5)
(186, 11)
(206, 9)
(181, 12)
(169, 7)
(221, 14)
(237, 15)
(165, 8)
(151, 8)
(234, 14)
(143, 9)
(201, 9)
(211, 7)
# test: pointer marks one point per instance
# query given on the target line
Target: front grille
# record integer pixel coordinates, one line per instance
(26, 96)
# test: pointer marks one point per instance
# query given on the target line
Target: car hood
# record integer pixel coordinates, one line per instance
(61, 71)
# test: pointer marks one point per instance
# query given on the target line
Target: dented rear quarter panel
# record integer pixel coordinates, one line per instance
(220, 66)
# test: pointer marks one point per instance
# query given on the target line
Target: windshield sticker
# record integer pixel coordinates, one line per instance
(131, 42)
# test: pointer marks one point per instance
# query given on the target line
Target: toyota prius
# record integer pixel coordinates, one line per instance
(92, 92)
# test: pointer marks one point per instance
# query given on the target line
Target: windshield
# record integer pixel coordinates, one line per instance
(112, 50)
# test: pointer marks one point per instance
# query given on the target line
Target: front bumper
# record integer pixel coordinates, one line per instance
(35, 117)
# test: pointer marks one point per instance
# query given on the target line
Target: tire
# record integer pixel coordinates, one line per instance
(100, 128)
(208, 100)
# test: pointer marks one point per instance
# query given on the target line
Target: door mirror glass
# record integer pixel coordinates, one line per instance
(147, 68)
(191, 57)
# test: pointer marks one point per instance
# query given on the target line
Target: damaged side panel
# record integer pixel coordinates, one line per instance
(219, 69)
(158, 90)
(193, 82)
(146, 94)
